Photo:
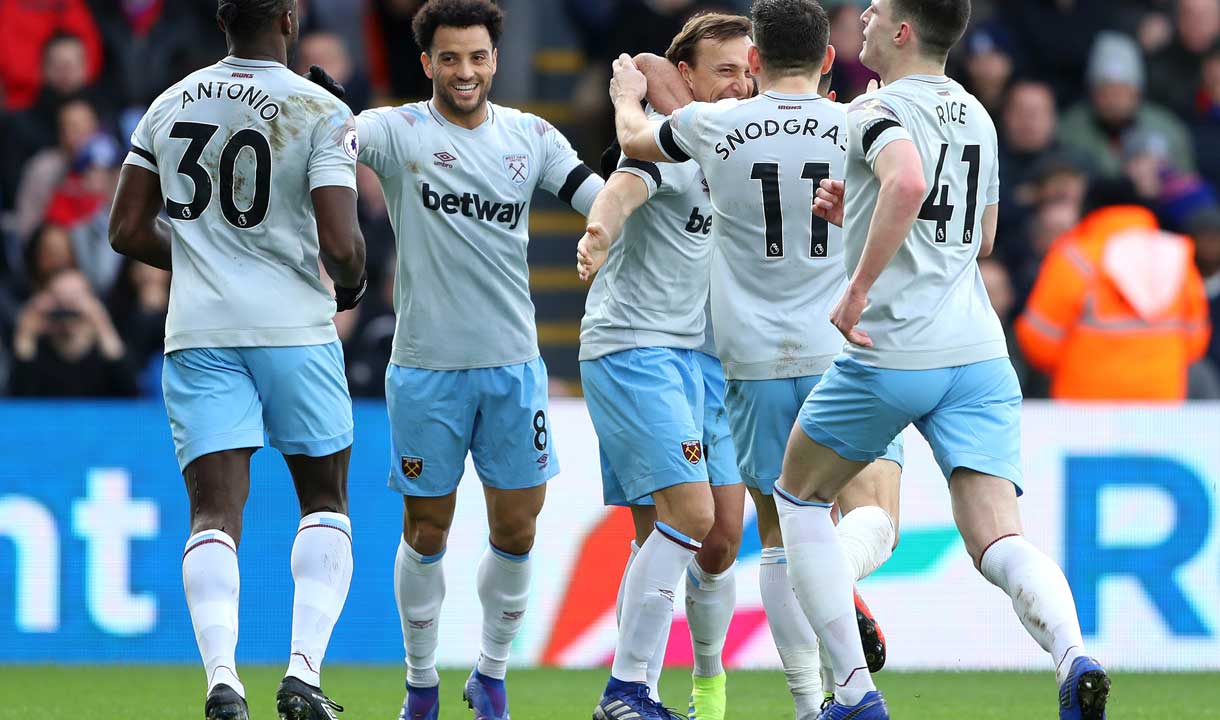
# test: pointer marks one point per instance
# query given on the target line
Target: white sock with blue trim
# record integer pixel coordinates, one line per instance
(322, 572)
(504, 589)
(212, 583)
(657, 663)
(866, 535)
(823, 582)
(648, 600)
(419, 590)
(710, 600)
(794, 638)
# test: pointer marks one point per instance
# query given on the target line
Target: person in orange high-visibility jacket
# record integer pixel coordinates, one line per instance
(1118, 311)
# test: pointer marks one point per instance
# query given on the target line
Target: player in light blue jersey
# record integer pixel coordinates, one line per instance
(656, 395)
(775, 269)
(256, 169)
(925, 347)
(465, 376)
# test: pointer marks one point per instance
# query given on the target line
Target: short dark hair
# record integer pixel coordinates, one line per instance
(456, 13)
(938, 23)
(243, 19)
(705, 26)
(791, 35)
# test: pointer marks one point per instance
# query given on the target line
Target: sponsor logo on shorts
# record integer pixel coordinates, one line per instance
(412, 467)
(692, 450)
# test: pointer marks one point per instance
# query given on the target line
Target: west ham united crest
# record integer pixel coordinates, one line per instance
(412, 466)
(517, 167)
(692, 450)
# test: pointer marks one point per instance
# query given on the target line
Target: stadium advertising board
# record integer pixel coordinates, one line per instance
(93, 518)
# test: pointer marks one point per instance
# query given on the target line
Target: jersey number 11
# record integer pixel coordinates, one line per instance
(773, 214)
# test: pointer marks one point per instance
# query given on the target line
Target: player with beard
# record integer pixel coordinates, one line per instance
(465, 375)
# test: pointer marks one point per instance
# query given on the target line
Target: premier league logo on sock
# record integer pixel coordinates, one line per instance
(412, 467)
(693, 451)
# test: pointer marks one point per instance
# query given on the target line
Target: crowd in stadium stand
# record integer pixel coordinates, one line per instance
(1107, 262)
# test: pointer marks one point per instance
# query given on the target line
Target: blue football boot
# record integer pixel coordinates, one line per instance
(628, 701)
(486, 696)
(1083, 695)
(421, 704)
(871, 707)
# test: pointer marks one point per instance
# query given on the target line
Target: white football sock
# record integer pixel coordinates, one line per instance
(1040, 595)
(322, 572)
(710, 600)
(866, 535)
(212, 583)
(648, 603)
(419, 590)
(794, 638)
(657, 662)
(504, 590)
(823, 582)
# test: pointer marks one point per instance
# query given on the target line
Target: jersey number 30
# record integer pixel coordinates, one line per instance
(200, 134)
(773, 214)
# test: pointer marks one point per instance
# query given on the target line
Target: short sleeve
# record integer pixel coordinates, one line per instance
(678, 137)
(563, 173)
(333, 151)
(876, 124)
(141, 152)
(382, 135)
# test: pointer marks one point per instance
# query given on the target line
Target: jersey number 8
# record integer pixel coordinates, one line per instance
(200, 134)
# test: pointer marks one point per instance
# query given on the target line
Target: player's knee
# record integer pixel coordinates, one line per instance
(426, 538)
(695, 519)
(718, 552)
(514, 535)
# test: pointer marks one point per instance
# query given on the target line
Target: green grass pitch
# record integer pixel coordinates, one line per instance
(374, 693)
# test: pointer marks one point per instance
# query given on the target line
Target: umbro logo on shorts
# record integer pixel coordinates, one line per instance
(692, 450)
(412, 467)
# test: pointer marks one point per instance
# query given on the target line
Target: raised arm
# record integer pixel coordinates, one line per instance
(135, 229)
(900, 173)
(636, 133)
(667, 91)
(623, 194)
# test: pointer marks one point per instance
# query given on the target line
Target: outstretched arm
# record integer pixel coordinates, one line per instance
(623, 194)
(135, 229)
(340, 242)
(635, 132)
(900, 173)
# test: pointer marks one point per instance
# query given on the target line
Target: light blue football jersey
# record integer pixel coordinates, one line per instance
(459, 202)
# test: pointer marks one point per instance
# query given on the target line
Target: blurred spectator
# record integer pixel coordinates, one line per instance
(35, 128)
(1205, 118)
(138, 303)
(1204, 228)
(1053, 37)
(78, 124)
(1173, 194)
(1003, 301)
(1050, 221)
(1118, 312)
(989, 66)
(1027, 134)
(847, 36)
(328, 51)
(393, 55)
(1174, 72)
(24, 28)
(1095, 128)
(66, 346)
(48, 253)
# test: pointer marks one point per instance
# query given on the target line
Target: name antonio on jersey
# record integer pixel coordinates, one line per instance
(258, 100)
(755, 130)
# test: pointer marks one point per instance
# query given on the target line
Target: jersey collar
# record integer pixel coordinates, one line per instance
(801, 97)
(440, 119)
(250, 64)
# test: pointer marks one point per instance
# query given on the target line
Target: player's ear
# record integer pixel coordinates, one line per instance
(903, 36)
(685, 71)
(426, 62)
(829, 61)
(754, 58)
(286, 24)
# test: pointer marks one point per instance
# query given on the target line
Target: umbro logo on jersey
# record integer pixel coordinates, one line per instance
(444, 159)
(471, 205)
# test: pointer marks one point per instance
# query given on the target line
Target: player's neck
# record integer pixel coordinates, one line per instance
(470, 120)
(260, 52)
(789, 85)
(917, 65)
